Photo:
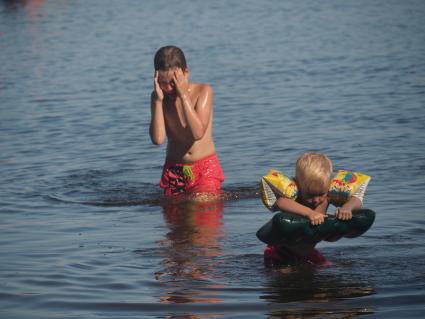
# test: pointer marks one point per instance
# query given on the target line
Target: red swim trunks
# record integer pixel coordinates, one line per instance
(203, 176)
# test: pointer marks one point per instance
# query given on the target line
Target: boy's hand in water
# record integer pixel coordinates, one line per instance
(343, 213)
(316, 218)
(180, 82)
(158, 91)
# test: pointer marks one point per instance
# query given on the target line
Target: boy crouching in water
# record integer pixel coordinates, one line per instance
(182, 112)
(309, 195)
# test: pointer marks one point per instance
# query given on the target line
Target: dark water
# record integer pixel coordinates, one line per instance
(83, 233)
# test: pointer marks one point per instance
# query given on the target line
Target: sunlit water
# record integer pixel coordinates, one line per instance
(83, 230)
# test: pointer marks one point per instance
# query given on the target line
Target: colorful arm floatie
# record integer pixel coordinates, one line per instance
(274, 185)
(346, 184)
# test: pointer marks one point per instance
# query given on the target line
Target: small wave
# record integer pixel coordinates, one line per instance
(106, 189)
(112, 202)
(155, 200)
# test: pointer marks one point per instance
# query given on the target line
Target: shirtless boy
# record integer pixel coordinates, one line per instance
(182, 112)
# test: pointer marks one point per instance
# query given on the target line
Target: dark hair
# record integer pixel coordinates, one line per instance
(169, 57)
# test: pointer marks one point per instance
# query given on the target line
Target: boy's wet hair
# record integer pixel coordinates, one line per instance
(169, 57)
(313, 172)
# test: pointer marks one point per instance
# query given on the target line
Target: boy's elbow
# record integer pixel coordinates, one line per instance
(198, 137)
(199, 134)
(157, 141)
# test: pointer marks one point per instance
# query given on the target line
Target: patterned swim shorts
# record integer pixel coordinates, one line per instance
(203, 176)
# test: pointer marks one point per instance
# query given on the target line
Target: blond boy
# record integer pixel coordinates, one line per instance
(313, 176)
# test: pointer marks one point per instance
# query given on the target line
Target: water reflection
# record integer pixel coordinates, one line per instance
(31, 7)
(311, 293)
(191, 251)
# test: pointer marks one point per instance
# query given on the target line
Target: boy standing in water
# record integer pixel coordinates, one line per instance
(182, 112)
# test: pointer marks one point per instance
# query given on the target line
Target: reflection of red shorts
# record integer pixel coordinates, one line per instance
(279, 255)
(203, 176)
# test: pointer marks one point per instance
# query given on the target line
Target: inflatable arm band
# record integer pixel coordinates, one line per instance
(291, 228)
(276, 184)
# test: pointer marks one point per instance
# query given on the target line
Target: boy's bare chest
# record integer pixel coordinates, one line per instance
(175, 118)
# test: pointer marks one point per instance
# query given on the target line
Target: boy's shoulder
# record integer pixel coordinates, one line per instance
(200, 92)
(201, 87)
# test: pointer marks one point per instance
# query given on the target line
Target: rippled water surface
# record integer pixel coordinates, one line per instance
(83, 230)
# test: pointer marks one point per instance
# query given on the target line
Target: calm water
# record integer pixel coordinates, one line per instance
(83, 233)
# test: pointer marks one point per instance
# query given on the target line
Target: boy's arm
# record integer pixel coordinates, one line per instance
(346, 211)
(291, 206)
(157, 130)
(196, 116)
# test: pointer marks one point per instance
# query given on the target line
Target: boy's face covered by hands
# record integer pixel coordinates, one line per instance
(173, 81)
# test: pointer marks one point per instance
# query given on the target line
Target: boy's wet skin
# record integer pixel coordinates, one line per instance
(181, 112)
(187, 114)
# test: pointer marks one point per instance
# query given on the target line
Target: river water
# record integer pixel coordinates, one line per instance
(83, 230)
